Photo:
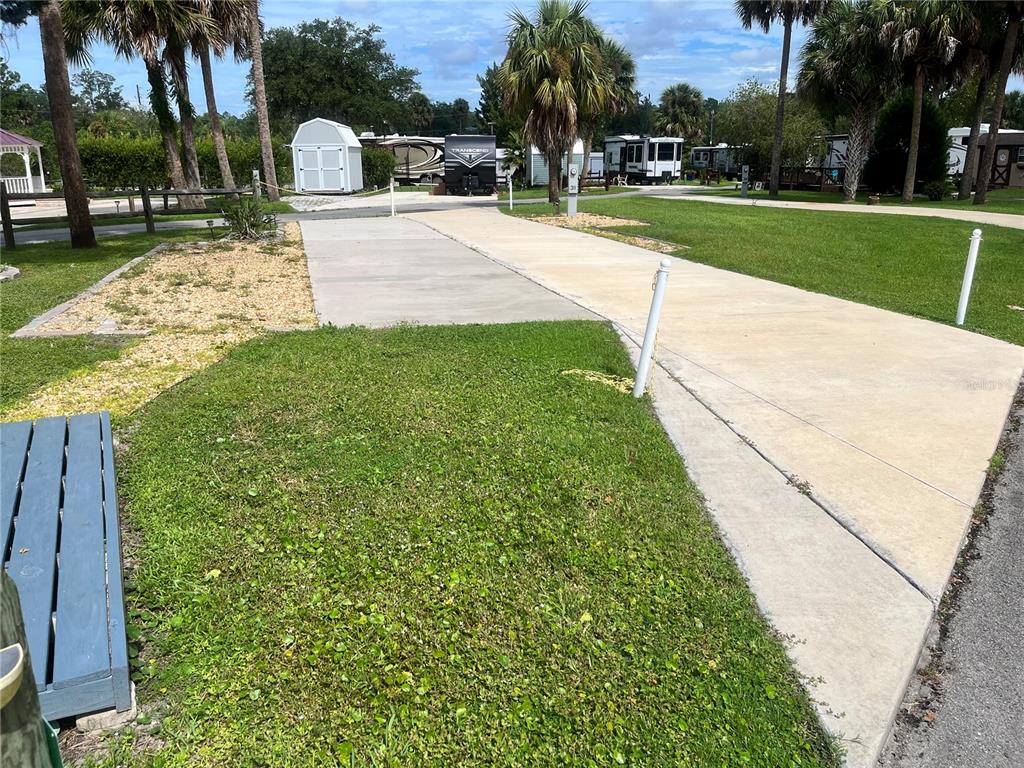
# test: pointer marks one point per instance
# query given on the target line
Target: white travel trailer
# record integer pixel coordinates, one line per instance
(644, 159)
(958, 138)
(721, 158)
(327, 157)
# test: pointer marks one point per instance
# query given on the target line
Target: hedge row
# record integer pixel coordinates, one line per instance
(110, 162)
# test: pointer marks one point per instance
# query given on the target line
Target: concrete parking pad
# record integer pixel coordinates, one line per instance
(882, 425)
(385, 271)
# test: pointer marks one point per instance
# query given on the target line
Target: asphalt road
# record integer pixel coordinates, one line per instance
(968, 710)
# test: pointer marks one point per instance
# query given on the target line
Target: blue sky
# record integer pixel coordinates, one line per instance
(451, 41)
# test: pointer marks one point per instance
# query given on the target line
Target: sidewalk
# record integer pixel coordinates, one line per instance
(880, 426)
(979, 216)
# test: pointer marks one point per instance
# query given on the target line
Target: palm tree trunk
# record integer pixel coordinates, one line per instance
(910, 176)
(260, 99)
(780, 110)
(186, 115)
(588, 139)
(862, 130)
(62, 117)
(216, 129)
(554, 158)
(970, 172)
(165, 119)
(1005, 64)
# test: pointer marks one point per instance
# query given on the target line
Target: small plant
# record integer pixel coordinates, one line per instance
(935, 190)
(248, 221)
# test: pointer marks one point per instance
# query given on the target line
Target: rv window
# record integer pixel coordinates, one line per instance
(704, 156)
(1020, 154)
(664, 151)
(650, 152)
(679, 151)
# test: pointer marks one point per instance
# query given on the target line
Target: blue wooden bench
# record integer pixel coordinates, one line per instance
(62, 546)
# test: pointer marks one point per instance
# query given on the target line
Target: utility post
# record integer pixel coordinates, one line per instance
(574, 188)
(745, 183)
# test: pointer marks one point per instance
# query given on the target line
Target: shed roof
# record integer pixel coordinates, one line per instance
(320, 130)
(11, 139)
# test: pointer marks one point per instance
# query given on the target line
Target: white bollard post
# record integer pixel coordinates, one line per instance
(510, 190)
(965, 289)
(643, 368)
(256, 186)
(392, 187)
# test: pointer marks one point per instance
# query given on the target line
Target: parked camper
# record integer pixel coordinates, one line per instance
(418, 159)
(643, 159)
(470, 165)
(326, 157)
(721, 158)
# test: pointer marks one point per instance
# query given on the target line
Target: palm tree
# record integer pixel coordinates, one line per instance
(62, 117)
(620, 70)
(982, 54)
(177, 64)
(845, 61)
(681, 111)
(140, 28)
(1010, 58)
(926, 37)
(232, 20)
(551, 75)
(764, 13)
(260, 101)
(421, 114)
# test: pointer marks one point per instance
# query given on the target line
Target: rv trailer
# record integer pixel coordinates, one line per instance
(470, 165)
(721, 158)
(418, 159)
(643, 159)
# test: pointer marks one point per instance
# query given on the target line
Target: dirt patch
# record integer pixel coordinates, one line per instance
(596, 224)
(193, 303)
(202, 287)
(587, 220)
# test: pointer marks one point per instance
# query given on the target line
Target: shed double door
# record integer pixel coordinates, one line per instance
(321, 168)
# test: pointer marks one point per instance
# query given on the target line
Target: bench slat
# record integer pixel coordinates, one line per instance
(81, 649)
(115, 585)
(13, 447)
(33, 553)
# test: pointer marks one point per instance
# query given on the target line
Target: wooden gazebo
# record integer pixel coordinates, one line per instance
(15, 143)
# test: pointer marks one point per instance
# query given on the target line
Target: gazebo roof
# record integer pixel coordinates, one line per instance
(11, 139)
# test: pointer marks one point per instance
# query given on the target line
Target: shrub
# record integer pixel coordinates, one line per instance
(113, 162)
(378, 166)
(935, 190)
(248, 221)
(887, 163)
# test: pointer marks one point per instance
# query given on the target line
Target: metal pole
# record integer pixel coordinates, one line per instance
(509, 189)
(647, 350)
(965, 290)
(5, 215)
(392, 187)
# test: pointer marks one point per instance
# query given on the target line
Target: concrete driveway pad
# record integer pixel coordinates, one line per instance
(384, 271)
(879, 426)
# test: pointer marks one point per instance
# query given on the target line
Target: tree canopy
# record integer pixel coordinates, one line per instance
(336, 70)
(746, 120)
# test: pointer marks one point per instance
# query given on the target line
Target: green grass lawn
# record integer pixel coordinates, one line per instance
(427, 546)
(999, 200)
(50, 274)
(907, 264)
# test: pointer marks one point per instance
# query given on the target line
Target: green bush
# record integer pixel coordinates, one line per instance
(248, 221)
(887, 162)
(243, 155)
(378, 166)
(935, 190)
